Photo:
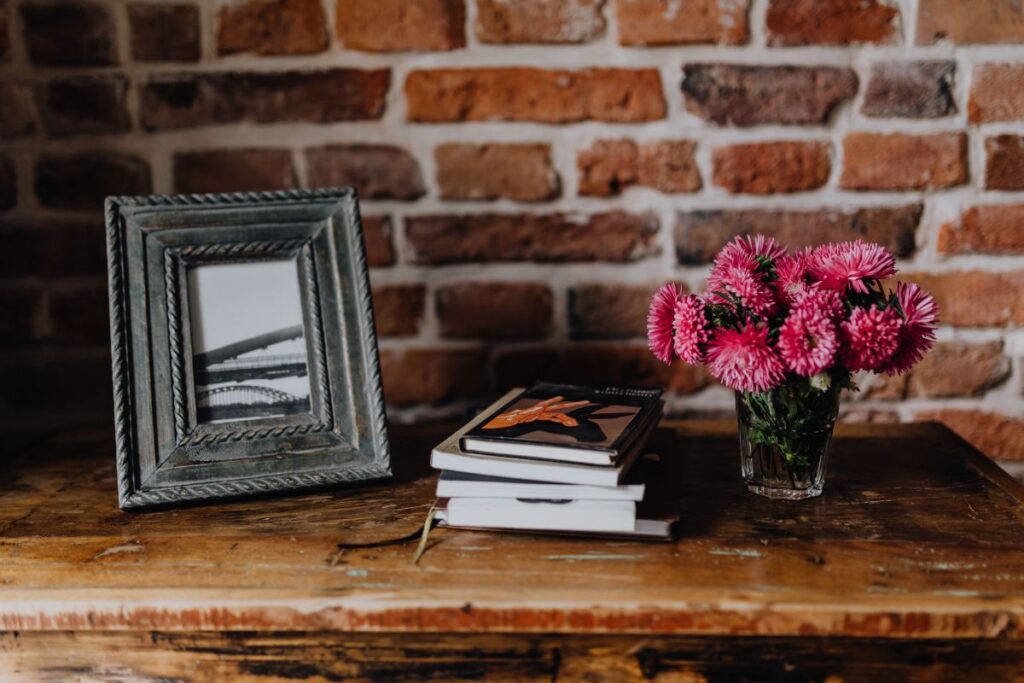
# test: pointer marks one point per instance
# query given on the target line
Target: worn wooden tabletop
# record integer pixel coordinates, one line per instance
(917, 536)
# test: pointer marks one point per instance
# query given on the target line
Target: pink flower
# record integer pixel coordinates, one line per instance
(808, 341)
(869, 338)
(743, 360)
(791, 272)
(748, 249)
(742, 254)
(848, 264)
(691, 329)
(814, 299)
(745, 284)
(920, 313)
(659, 321)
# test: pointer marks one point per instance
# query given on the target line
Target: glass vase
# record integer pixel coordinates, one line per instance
(784, 438)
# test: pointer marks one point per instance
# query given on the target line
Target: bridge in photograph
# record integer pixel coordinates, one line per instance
(246, 401)
(225, 364)
(232, 379)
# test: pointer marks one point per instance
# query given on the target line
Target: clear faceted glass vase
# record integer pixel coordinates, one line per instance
(784, 438)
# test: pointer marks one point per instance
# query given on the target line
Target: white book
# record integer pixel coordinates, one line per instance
(448, 455)
(465, 485)
(656, 529)
(570, 515)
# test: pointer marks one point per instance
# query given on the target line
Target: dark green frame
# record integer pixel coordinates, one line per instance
(164, 455)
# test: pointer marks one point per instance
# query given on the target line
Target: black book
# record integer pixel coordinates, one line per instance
(566, 423)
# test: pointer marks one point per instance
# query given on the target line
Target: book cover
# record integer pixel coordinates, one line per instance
(581, 424)
(449, 455)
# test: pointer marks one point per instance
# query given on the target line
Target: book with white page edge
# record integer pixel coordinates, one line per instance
(453, 484)
(449, 455)
(542, 515)
(643, 528)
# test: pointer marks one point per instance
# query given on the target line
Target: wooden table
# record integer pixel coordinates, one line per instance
(914, 557)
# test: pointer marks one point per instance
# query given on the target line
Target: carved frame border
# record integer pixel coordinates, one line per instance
(352, 325)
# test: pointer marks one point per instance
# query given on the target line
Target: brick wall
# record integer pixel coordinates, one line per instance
(529, 171)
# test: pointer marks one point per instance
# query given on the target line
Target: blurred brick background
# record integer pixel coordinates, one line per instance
(529, 171)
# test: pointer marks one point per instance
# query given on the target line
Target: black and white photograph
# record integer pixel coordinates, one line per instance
(248, 343)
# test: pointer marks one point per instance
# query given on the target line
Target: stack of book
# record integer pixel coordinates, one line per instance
(554, 458)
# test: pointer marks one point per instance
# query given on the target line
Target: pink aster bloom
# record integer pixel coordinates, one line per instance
(814, 299)
(918, 333)
(848, 264)
(791, 272)
(748, 248)
(745, 284)
(659, 321)
(743, 360)
(691, 329)
(869, 338)
(807, 341)
(742, 252)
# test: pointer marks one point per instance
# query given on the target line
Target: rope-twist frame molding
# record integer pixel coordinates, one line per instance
(130, 493)
(195, 435)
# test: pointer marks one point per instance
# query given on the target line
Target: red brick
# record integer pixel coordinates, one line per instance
(918, 90)
(631, 365)
(398, 25)
(879, 388)
(831, 22)
(380, 248)
(539, 21)
(997, 93)
(997, 436)
(700, 234)
(8, 184)
(189, 100)
(273, 27)
(771, 167)
(84, 106)
(82, 181)
(991, 229)
(17, 111)
(233, 170)
(878, 161)
(22, 306)
(376, 171)
(68, 34)
(495, 310)
(55, 382)
(555, 238)
(979, 367)
(731, 94)
(664, 22)
(398, 309)
(608, 167)
(969, 21)
(609, 311)
(975, 298)
(522, 172)
(527, 94)
(46, 248)
(79, 314)
(1004, 162)
(164, 32)
(432, 376)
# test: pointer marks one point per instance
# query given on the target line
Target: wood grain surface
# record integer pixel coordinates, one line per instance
(917, 536)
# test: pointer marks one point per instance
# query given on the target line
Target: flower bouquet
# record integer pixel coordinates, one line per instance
(787, 331)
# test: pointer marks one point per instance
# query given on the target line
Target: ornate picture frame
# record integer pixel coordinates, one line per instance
(203, 288)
